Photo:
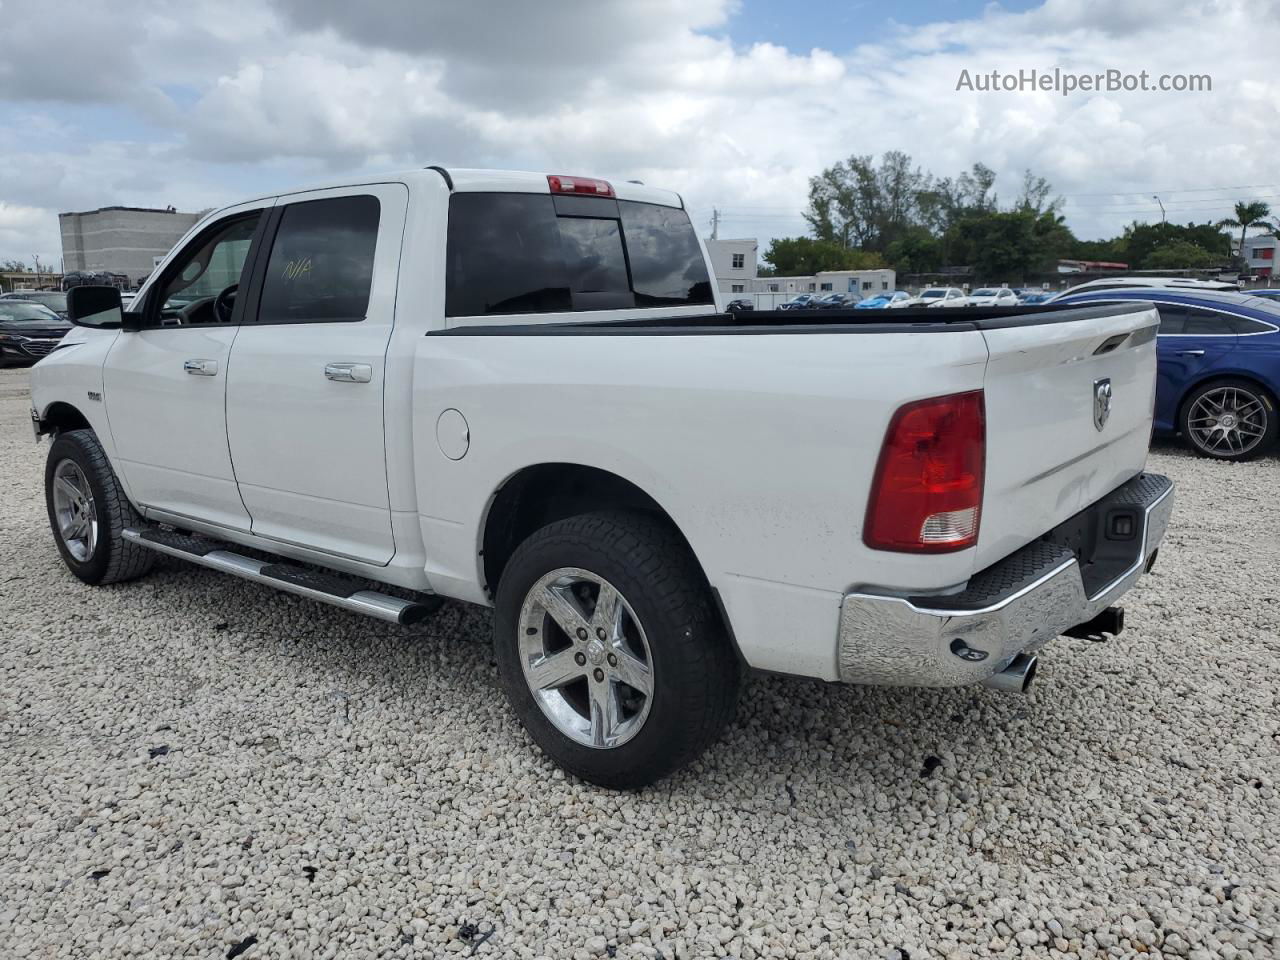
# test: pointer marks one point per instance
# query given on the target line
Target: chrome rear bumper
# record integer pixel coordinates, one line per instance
(1012, 607)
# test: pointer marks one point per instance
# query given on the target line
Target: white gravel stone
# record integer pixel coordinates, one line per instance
(337, 787)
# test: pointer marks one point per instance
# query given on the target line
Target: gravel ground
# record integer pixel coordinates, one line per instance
(194, 766)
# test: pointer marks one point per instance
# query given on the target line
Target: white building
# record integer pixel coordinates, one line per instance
(1259, 254)
(737, 274)
(734, 264)
(121, 239)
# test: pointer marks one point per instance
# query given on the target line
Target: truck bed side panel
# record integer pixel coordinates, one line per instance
(761, 448)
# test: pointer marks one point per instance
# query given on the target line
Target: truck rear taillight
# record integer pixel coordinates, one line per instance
(926, 496)
(580, 185)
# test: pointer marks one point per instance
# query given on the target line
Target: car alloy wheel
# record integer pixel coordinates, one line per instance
(1227, 421)
(586, 658)
(75, 510)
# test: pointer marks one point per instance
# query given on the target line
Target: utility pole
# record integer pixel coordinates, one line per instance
(37, 260)
(715, 224)
(1157, 200)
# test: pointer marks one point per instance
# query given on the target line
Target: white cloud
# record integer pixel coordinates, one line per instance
(220, 100)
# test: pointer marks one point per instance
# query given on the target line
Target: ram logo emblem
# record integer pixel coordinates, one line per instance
(1101, 402)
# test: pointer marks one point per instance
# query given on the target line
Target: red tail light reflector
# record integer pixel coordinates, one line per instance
(581, 185)
(926, 496)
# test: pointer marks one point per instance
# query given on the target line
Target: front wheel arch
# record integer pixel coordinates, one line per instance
(60, 416)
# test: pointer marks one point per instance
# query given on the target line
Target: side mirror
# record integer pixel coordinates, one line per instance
(94, 307)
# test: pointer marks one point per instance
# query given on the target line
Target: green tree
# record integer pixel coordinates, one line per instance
(1248, 214)
(1180, 255)
(13, 266)
(916, 251)
(858, 203)
(801, 256)
(1140, 242)
(1007, 246)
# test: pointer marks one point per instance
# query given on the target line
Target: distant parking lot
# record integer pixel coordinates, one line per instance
(196, 766)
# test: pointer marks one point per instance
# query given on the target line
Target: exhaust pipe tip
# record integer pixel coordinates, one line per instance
(1016, 677)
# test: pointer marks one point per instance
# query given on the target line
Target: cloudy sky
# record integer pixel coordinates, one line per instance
(735, 103)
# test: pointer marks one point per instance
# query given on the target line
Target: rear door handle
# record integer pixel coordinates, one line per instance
(1191, 353)
(201, 368)
(349, 372)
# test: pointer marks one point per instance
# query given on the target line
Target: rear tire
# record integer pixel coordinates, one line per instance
(620, 721)
(1229, 419)
(88, 512)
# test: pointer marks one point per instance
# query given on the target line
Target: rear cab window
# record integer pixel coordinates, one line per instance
(523, 253)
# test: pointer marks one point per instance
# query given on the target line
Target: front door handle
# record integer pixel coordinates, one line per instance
(349, 372)
(1191, 353)
(201, 368)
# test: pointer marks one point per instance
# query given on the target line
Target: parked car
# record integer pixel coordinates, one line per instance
(1219, 373)
(1267, 293)
(742, 303)
(882, 301)
(1032, 297)
(992, 297)
(935, 297)
(803, 302)
(1146, 283)
(28, 331)
(837, 301)
(567, 429)
(55, 301)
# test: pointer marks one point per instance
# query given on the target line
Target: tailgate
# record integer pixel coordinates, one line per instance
(1053, 447)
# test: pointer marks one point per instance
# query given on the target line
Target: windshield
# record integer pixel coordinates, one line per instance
(54, 301)
(933, 294)
(21, 311)
(986, 292)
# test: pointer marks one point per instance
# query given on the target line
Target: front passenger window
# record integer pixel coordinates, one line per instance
(321, 266)
(204, 289)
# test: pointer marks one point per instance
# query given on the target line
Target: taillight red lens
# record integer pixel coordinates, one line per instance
(927, 493)
(585, 185)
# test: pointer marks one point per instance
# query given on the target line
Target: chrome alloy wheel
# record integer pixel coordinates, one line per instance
(1227, 420)
(586, 658)
(74, 509)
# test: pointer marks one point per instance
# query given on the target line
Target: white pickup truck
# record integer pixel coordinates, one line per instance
(518, 390)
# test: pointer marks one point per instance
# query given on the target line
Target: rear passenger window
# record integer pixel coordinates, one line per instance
(1207, 323)
(1246, 325)
(1173, 320)
(321, 266)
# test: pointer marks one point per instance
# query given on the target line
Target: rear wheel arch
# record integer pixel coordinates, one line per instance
(543, 493)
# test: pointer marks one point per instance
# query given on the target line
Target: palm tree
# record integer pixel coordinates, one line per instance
(1251, 214)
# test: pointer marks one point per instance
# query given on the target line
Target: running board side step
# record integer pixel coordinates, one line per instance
(314, 585)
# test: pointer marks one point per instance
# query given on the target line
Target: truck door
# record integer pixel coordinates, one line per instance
(164, 386)
(305, 390)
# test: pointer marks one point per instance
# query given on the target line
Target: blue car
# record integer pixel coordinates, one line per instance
(1270, 293)
(1219, 367)
(882, 301)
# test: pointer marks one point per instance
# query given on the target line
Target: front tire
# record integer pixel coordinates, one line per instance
(88, 512)
(610, 650)
(1229, 419)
